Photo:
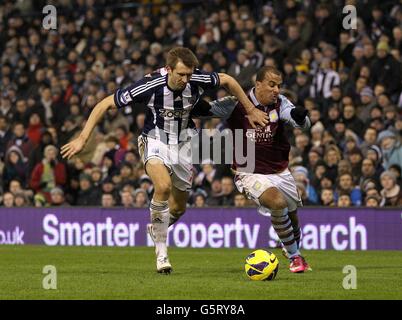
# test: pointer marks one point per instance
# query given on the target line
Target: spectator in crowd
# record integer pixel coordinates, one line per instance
(345, 185)
(199, 199)
(8, 200)
(368, 172)
(243, 70)
(96, 177)
(205, 176)
(370, 138)
(216, 192)
(327, 198)
(391, 192)
(323, 81)
(352, 122)
(127, 199)
(21, 140)
(372, 201)
(367, 102)
(355, 158)
(145, 183)
(126, 173)
(15, 167)
(374, 153)
(228, 192)
(344, 201)
(385, 69)
(108, 200)
(39, 201)
(240, 200)
(88, 195)
(20, 200)
(49, 173)
(300, 175)
(5, 135)
(57, 197)
(332, 156)
(141, 199)
(37, 153)
(396, 170)
(294, 44)
(391, 148)
(35, 128)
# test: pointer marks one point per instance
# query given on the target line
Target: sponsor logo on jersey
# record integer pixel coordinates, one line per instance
(173, 113)
(260, 134)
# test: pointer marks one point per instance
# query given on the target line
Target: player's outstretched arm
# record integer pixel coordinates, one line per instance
(221, 108)
(295, 116)
(72, 148)
(255, 116)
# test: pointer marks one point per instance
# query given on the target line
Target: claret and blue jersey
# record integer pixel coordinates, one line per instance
(168, 113)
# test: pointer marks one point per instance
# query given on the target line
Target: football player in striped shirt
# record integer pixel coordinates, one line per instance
(164, 145)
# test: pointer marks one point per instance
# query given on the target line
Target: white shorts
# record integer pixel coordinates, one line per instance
(176, 157)
(254, 185)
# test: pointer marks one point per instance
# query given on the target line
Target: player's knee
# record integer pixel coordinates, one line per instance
(273, 199)
(163, 188)
(278, 204)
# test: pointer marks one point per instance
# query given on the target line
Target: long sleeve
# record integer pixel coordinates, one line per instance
(223, 108)
(286, 107)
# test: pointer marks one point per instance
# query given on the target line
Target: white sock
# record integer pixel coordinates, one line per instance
(160, 222)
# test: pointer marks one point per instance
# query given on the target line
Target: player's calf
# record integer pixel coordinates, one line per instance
(273, 199)
(175, 215)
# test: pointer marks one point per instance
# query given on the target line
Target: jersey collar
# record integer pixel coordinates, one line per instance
(255, 101)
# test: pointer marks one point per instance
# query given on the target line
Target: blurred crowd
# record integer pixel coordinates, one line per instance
(348, 79)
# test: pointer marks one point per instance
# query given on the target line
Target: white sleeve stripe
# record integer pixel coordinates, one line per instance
(201, 80)
(203, 77)
(148, 84)
(148, 88)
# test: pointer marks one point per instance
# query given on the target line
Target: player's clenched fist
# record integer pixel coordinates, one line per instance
(299, 115)
(72, 148)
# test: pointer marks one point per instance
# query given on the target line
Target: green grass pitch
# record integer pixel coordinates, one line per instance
(129, 273)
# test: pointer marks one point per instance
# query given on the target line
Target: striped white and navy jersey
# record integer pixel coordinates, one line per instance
(323, 82)
(168, 114)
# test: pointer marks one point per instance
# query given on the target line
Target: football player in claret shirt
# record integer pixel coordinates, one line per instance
(270, 184)
(170, 94)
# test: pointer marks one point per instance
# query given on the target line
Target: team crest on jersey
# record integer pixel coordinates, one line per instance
(273, 116)
(257, 186)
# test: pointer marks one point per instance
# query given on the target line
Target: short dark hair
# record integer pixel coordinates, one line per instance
(265, 70)
(182, 54)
